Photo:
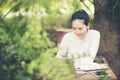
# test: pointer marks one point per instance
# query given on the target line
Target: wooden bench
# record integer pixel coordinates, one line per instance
(61, 33)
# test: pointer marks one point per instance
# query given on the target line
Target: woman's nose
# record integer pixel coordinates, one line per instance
(77, 31)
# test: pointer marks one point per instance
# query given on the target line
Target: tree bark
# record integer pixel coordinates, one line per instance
(107, 19)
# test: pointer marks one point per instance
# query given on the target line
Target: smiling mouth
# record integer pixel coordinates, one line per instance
(81, 36)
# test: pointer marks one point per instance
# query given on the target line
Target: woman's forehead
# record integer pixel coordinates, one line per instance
(78, 23)
(79, 20)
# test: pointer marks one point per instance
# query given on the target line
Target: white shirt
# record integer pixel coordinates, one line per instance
(84, 50)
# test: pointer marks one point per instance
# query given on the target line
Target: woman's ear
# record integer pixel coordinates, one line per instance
(88, 26)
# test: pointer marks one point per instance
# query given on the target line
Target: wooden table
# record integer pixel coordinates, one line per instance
(89, 76)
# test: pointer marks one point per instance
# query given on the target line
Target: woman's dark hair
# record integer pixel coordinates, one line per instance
(81, 14)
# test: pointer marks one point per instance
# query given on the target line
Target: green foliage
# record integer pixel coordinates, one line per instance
(25, 49)
(52, 22)
(49, 67)
(104, 78)
(10, 33)
(103, 75)
(4, 38)
(27, 41)
(34, 40)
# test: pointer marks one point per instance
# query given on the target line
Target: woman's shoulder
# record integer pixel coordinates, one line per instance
(95, 32)
(68, 35)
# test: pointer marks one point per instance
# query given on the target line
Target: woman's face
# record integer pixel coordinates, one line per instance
(79, 28)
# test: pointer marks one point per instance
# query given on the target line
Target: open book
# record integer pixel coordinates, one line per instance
(90, 67)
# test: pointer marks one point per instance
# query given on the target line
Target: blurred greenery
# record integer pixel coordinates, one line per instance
(26, 51)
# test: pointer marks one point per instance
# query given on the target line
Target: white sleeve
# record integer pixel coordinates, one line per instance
(94, 44)
(62, 52)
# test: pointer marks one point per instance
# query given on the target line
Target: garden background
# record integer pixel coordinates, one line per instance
(28, 40)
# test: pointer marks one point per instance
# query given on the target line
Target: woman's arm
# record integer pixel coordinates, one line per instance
(94, 44)
(62, 52)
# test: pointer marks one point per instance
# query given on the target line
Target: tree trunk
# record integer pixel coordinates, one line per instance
(107, 19)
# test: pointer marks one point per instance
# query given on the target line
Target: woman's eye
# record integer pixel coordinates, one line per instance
(76, 28)
(80, 28)
(73, 28)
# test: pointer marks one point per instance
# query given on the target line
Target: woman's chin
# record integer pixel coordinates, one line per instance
(81, 36)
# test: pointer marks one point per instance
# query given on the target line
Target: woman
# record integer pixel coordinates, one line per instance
(80, 45)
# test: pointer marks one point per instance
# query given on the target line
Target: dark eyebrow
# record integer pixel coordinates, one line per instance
(73, 28)
(76, 28)
(79, 28)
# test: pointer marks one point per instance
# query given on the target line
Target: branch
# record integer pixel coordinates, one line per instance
(91, 1)
(113, 10)
(86, 5)
(11, 9)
